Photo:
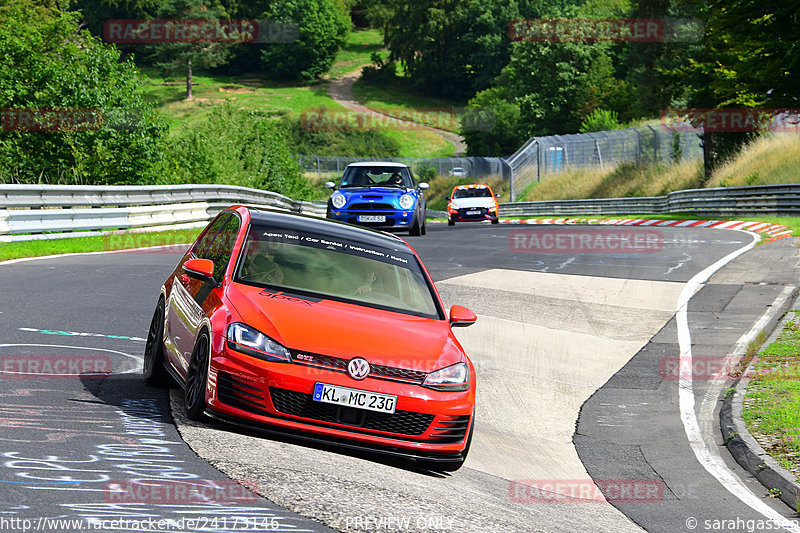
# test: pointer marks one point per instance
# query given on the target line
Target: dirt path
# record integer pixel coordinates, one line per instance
(341, 90)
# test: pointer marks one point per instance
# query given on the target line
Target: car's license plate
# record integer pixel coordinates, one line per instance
(474, 212)
(372, 218)
(372, 401)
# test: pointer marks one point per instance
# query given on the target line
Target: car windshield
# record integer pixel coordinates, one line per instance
(473, 193)
(380, 176)
(313, 264)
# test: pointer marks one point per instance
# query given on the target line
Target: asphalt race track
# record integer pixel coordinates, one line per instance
(573, 353)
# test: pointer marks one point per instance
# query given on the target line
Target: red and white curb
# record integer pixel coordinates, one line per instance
(774, 231)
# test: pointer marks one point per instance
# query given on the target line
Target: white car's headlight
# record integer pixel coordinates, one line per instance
(407, 201)
(451, 378)
(338, 200)
(250, 341)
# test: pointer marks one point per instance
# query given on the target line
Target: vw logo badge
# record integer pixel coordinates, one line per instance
(358, 368)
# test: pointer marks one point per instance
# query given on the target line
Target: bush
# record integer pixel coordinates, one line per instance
(341, 142)
(425, 172)
(239, 147)
(600, 120)
(380, 72)
(52, 65)
(323, 30)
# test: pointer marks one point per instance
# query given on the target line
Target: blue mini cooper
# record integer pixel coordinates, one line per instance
(379, 195)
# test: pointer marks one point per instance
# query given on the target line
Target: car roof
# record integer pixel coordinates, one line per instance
(473, 186)
(330, 228)
(377, 164)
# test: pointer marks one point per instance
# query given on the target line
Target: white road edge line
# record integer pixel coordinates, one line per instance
(713, 463)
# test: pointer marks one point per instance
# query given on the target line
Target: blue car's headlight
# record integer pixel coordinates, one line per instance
(250, 341)
(407, 201)
(338, 200)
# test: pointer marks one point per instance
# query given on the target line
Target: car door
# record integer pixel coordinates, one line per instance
(191, 299)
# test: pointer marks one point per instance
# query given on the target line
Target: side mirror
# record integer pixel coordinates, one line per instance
(461, 317)
(202, 269)
(329, 185)
(423, 186)
(497, 196)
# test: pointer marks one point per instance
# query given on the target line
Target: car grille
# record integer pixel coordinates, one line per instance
(376, 371)
(303, 405)
(481, 212)
(450, 429)
(371, 206)
(240, 394)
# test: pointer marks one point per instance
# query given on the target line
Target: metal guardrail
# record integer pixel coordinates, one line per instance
(767, 200)
(30, 212)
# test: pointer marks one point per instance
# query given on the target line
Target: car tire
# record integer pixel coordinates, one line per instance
(450, 466)
(194, 397)
(451, 222)
(416, 228)
(424, 229)
(495, 221)
(153, 371)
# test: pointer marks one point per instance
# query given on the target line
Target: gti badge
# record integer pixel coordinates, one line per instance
(358, 368)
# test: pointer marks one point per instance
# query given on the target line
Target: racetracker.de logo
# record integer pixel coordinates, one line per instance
(467, 119)
(235, 31)
(175, 492)
(586, 490)
(55, 366)
(149, 243)
(584, 240)
(584, 30)
(731, 120)
(68, 119)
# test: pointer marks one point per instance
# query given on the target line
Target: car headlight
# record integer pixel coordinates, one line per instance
(407, 201)
(451, 378)
(250, 341)
(338, 200)
(452, 207)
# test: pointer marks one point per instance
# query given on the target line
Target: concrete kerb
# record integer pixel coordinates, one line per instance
(740, 442)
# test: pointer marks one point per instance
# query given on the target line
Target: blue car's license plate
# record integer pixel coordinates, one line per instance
(372, 218)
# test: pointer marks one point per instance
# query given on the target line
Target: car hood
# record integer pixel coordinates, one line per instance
(473, 202)
(376, 192)
(346, 330)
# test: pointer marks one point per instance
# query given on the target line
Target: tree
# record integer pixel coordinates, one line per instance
(173, 57)
(239, 147)
(323, 30)
(88, 121)
(504, 137)
(748, 59)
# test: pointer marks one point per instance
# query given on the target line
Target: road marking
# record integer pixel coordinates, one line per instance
(137, 360)
(712, 463)
(78, 334)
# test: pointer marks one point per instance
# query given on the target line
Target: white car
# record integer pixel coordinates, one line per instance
(458, 172)
(472, 202)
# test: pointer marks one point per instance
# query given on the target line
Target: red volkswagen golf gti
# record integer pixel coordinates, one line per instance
(319, 329)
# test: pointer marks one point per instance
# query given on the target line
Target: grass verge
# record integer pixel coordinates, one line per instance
(358, 51)
(102, 243)
(399, 99)
(772, 403)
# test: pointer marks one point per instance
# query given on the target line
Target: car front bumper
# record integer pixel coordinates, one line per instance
(278, 396)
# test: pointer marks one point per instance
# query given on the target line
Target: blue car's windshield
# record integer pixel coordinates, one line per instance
(377, 176)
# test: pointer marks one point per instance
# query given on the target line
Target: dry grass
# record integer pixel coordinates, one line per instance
(625, 180)
(772, 159)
